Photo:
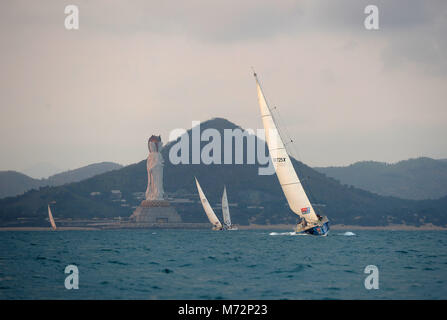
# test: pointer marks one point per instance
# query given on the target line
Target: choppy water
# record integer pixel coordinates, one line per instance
(202, 264)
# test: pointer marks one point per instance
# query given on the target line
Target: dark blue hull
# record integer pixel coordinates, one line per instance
(319, 230)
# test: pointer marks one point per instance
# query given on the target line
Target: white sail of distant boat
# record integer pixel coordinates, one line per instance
(50, 215)
(226, 212)
(208, 210)
(225, 209)
(287, 176)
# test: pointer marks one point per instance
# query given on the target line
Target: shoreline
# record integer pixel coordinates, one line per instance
(285, 227)
(46, 229)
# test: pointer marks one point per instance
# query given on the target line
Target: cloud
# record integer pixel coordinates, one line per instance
(424, 44)
(135, 68)
(414, 30)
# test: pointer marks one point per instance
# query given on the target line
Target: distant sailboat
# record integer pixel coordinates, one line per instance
(50, 215)
(208, 210)
(226, 212)
(297, 199)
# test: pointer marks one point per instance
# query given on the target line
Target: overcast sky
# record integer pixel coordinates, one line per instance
(136, 68)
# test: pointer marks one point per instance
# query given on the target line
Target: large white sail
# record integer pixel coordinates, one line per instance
(53, 224)
(207, 207)
(225, 209)
(290, 184)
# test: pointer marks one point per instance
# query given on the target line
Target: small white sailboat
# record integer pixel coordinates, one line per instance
(292, 188)
(208, 210)
(226, 212)
(50, 216)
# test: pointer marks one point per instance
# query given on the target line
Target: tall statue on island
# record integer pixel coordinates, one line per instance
(154, 164)
(155, 211)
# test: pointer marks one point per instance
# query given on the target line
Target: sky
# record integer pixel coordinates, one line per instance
(135, 68)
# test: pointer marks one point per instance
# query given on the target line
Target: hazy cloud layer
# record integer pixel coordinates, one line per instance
(140, 67)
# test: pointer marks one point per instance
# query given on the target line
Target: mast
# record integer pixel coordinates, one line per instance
(225, 208)
(290, 183)
(207, 207)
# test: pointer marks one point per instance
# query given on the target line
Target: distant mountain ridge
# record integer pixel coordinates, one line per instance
(82, 173)
(41, 170)
(253, 198)
(415, 179)
(14, 183)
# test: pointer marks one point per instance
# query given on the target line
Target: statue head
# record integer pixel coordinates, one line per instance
(154, 144)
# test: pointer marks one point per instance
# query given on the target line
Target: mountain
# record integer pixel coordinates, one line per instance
(416, 179)
(82, 173)
(253, 198)
(13, 183)
(41, 170)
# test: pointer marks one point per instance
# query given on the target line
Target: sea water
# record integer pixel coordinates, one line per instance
(205, 264)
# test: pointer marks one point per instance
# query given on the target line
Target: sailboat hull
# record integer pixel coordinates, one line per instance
(320, 230)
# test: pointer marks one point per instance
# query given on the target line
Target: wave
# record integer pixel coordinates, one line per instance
(347, 233)
(287, 234)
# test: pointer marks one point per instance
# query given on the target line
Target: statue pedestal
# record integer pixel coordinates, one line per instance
(155, 211)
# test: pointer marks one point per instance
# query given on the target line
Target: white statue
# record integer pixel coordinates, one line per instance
(155, 162)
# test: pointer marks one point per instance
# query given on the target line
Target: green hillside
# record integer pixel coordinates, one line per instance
(416, 179)
(14, 183)
(253, 198)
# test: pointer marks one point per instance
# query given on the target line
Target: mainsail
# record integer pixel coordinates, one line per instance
(53, 224)
(225, 209)
(290, 183)
(207, 207)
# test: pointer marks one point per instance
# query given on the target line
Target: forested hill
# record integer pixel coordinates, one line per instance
(416, 179)
(253, 198)
(14, 183)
